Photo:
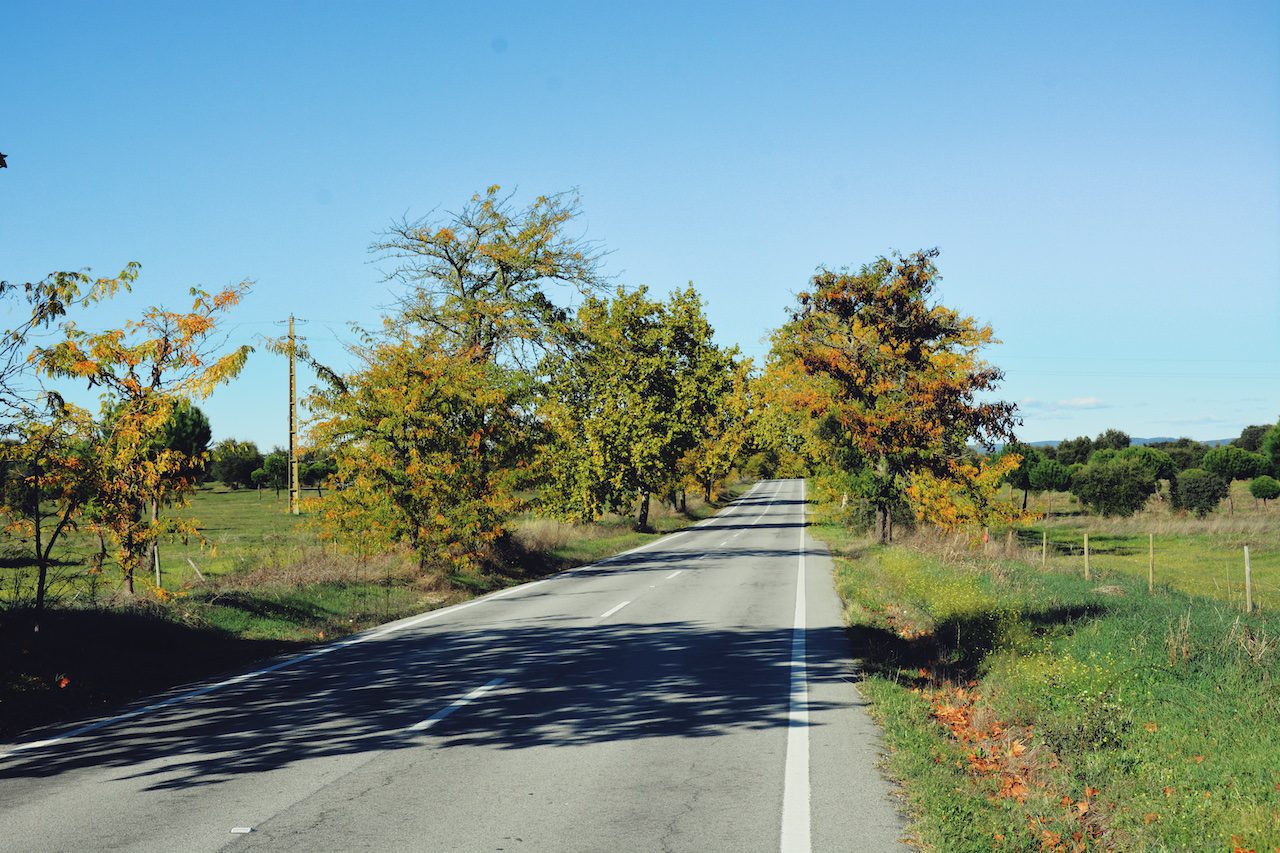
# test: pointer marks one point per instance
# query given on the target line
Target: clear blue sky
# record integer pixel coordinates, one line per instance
(1103, 179)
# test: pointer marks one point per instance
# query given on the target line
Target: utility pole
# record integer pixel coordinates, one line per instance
(293, 425)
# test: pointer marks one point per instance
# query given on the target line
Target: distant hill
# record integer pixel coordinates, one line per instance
(1212, 442)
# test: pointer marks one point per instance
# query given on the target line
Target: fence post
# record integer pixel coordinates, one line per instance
(1044, 546)
(1151, 562)
(1248, 583)
(1086, 556)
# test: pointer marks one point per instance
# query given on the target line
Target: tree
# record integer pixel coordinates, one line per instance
(630, 400)
(1271, 448)
(1075, 450)
(146, 368)
(1116, 487)
(1112, 439)
(478, 279)
(274, 473)
(315, 468)
(188, 432)
(429, 447)
(1050, 475)
(1201, 491)
(1264, 488)
(1233, 463)
(1251, 437)
(898, 377)
(49, 477)
(1020, 477)
(234, 462)
(1185, 452)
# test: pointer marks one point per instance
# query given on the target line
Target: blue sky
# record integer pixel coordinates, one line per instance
(1103, 179)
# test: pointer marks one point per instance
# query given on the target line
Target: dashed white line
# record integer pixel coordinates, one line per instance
(454, 705)
(613, 610)
(722, 544)
(673, 574)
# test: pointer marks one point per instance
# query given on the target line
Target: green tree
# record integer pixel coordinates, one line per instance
(630, 400)
(274, 473)
(1271, 448)
(1251, 437)
(315, 468)
(1050, 475)
(899, 378)
(1201, 491)
(1264, 488)
(1112, 439)
(1020, 477)
(1185, 452)
(187, 432)
(234, 462)
(1233, 463)
(1116, 487)
(1075, 451)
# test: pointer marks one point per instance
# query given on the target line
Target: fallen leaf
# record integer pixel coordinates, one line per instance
(1150, 817)
(1151, 727)
(1082, 807)
(1198, 759)
(1090, 792)
(1168, 791)
(63, 681)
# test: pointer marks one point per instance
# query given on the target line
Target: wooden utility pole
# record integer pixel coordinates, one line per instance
(293, 425)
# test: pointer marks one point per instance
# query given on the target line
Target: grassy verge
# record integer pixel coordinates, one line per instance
(1029, 709)
(272, 588)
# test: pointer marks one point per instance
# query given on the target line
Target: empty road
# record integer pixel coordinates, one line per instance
(693, 695)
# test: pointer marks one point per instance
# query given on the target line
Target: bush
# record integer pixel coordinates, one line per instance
(1201, 491)
(1265, 488)
(1233, 463)
(1116, 487)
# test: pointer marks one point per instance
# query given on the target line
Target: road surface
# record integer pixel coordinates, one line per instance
(693, 695)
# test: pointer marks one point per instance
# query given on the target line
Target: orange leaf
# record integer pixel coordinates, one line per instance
(63, 681)
(1151, 727)
(1150, 817)
(1090, 792)
(1168, 791)
(1082, 807)
(1199, 759)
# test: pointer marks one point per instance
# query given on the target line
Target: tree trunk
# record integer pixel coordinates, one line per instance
(643, 522)
(684, 501)
(42, 565)
(706, 490)
(153, 550)
(1024, 499)
(882, 522)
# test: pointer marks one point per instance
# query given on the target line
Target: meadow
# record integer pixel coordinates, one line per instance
(1027, 708)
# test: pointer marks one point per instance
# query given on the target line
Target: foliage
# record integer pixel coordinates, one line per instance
(1075, 451)
(1112, 439)
(234, 462)
(725, 433)
(478, 278)
(1020, 477)
(1050, 475)
(635, 396)
(1251, 437)
(1158, 463)
(1271, 448)
(896, 379)
(1185, 452)
(1264, 488)
(146, 369)
(427, 447)
(1201, 491)
(274, 472)
(1115, 487)
(1233, 463)
(967, 495)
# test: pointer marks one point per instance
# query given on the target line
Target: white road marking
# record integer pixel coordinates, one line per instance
(795, 783)
(722, 544)
(613, 610)
(676, 572)
(242, 830)
(454, 705)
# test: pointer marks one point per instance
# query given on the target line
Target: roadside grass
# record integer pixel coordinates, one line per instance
(1198, 556)
(272, 586)
(1027, 709)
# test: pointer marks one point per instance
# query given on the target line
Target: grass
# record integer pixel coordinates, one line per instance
(271, 586)
(1028, 709)
(1201, 557)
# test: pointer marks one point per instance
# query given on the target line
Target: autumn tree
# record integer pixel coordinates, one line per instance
(630, 399)
(479, 280)
(49, 477)
(902, 379)
(145, 369)
(724, 434)
(427, 443)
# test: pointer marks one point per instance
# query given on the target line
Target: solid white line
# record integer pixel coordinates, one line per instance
(613, 610)
(795, 784)
(454, 705)
(722, 544)
(673, 574)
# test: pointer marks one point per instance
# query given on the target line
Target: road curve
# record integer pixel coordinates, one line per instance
(692, 695)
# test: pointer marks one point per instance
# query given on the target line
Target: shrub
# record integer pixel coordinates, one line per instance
(1233, 463)
(1116, 487)
(1201, 491)
(1265, 488)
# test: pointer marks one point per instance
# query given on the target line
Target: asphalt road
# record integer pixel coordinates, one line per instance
(694, 695)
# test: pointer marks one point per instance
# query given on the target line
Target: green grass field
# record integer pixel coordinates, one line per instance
(1029, 709)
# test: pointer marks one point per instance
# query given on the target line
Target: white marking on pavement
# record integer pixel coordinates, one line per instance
(242, 830)
(454, 705)
(678, 571)
(795, 783)
(613, 610)
(722, 544)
